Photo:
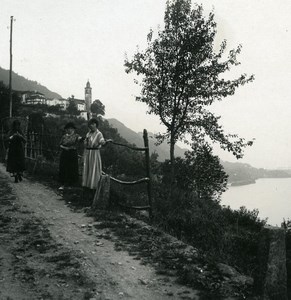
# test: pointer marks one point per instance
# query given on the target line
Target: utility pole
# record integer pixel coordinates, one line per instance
(10, 72)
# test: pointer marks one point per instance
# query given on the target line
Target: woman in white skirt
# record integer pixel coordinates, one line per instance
(92, 168)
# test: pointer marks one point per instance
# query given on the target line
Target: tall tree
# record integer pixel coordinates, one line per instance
(97, 108)
(182, 76)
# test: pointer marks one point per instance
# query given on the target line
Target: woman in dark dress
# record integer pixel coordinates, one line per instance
(15, 159)
(68, 168)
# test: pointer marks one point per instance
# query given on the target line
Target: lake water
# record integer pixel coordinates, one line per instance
(271, 196)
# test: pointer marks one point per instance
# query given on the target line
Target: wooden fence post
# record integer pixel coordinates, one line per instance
(102, 194)
(271, 278)
(148, 171)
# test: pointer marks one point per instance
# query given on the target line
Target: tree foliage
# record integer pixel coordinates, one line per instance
(182, 76)
(97, 108)
(55, 109)
(72, 108)
(5, 102)
(199, 171)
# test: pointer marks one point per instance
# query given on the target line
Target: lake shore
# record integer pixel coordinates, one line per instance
(243, 182)
(271, 196)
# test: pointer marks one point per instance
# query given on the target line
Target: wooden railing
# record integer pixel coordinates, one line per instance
(146, 179)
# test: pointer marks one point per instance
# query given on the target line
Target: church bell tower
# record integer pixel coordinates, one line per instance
(88, 98)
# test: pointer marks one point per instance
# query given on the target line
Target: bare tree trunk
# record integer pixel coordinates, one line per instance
(172, 160)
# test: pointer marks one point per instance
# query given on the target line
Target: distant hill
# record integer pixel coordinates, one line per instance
(241, 173)
(133, 137)
(19, 83)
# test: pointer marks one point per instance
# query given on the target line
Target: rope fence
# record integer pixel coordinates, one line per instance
(146, 179)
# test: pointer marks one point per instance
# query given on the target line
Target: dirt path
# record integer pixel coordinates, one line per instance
(49, 251)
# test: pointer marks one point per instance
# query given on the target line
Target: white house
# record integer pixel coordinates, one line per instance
(33, 98)
(80, 104)
(62, 102)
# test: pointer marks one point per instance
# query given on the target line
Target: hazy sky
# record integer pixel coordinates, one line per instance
(62, 44)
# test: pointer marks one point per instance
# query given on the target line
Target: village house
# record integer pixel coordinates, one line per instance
(80, 104)
(83, 105)
(63, 103)
(33, 98)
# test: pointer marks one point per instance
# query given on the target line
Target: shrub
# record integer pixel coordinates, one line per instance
(219, 232)
(199, 171)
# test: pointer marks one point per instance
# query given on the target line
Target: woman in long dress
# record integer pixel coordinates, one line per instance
(68, 168)
(15, 158)
(92, 168)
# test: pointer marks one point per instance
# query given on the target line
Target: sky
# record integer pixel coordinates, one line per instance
(62, 44)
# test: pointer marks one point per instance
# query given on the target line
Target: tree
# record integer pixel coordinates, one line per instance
(55, 109)
(199, 171)
(182, 76)
(97, 108)
(5, 101)
(72, 108)
(36, 121)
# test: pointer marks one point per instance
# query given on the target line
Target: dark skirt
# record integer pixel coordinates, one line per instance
(15, 159)
(68, 169)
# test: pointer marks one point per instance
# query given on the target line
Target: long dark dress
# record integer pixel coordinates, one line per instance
(68, 168)
(15, 159)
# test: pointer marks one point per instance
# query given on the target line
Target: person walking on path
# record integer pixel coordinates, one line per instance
(15, 154)
(92, 168)
(68, 167)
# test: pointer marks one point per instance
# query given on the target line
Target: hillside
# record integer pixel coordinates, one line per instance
(133, 137)
(19, 83)
(241, 173)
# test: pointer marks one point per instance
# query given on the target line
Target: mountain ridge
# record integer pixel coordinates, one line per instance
(243, 173)
(20, 83)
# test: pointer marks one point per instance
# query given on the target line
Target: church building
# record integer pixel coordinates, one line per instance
(84, 105)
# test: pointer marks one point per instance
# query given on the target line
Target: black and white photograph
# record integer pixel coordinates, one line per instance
(145, 149)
